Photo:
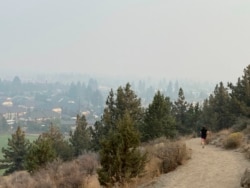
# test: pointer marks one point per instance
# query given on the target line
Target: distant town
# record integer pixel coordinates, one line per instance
(34, 105)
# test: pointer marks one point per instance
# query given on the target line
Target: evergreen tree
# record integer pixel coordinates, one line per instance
(80, 138)
(192, 118)
(218, 111)
(40, 153)
(120, 158)
(208, 117)
(125, 101)
(221, 106)
(110, 113)
(179, 110)
(240, 94)
(59, 144)
(14, 154)
(158, 119)
(97, 134)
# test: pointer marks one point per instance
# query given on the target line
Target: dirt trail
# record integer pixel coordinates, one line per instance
(210, 167)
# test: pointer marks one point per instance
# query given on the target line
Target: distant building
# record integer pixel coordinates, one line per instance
(12, 113)
(41, 115)
(7, 102)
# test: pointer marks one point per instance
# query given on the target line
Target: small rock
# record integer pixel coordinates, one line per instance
(245, 179)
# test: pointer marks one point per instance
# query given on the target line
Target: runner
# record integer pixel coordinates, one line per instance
(203, 136)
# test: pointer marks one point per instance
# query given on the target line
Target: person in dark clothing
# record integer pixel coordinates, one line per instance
(203, 136)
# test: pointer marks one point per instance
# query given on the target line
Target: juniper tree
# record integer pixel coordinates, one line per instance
(120, 157)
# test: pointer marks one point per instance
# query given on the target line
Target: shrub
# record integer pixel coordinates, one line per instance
(80, 172)
(217, 138)
(170, 153)
(88, 163)
(20, 179)
(233, 140)
(68, 174)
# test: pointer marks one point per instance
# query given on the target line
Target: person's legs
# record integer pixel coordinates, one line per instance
(203, 142)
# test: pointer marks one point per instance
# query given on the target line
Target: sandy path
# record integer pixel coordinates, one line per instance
(210, 167)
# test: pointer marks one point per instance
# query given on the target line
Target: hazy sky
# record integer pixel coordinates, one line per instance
(201, 39)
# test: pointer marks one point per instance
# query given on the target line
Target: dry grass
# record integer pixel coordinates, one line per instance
(74, 174)
(218, 138)
(163, 156)
(229, 139)
(21, 179)
(233, 140)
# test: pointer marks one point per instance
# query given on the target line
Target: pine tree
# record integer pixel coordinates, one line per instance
(61, 147)
(110, 113)
(216, 112)
(80, 138)
(14, 155)
(120, 158)
(179, 110)
(97, 134)
(158, 119)
(221, 106)
(125, 101)
(208, 118)
(40, 153)
(193, 117)
(240, 94)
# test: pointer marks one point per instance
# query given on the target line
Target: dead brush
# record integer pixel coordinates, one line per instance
(172, 155)
(169, 153)
(233, 140)
(20, 179)
(218, 138)
(67, 174)
(164, 155)
(88, 163)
